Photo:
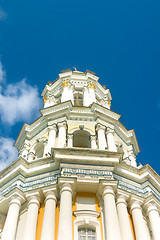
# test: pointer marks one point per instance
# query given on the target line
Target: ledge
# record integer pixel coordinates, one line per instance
(89, 213)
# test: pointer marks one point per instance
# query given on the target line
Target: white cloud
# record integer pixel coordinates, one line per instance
(8, 152)
(2, 73)
(19, 102)
(3, 14)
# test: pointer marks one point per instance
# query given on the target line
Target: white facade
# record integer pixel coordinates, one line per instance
(76, 175)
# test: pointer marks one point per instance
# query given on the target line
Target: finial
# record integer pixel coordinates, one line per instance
(92, 85)
(65, 83)
(109, 103)
(75, 69)
(45, 99)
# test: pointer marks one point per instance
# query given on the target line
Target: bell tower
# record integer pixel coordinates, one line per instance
(76, 176)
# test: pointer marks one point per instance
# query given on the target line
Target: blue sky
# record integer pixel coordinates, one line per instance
(118, 40)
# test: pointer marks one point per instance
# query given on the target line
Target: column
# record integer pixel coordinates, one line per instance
(147, 228)
(25, 150)
(65, 216)
(71, 94)
(112, 230)
(67, 93)
(62, 134)
(154, 219)
(93, 142)
(70, 140)
(48, 227)
(86, 101)
(102, 144)
(46, 102)
(133, 159)
(132, 156)
(10, 226)
(125, 227)
(110, 140)
(92, 97)
(52, 137)
(138, 221)
(31, 218)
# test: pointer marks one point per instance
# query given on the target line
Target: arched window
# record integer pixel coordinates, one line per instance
(86, 234)
(81, 138)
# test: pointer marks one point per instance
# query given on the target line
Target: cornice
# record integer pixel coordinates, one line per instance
(68, 111)
(95, 107)
(42, 175)
(91, 156)
(140, 176)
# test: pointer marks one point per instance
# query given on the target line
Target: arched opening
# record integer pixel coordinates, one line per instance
(39, 149)
(81, 138)
(85, 233)
(39, 152)
(78, 99)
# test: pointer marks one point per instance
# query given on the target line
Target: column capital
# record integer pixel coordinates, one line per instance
(93, 137)
(92, 85)
(108, 187)
(135, 204)
(151, 207)
(66, 184)
(52, 127)
(109, 130)
(108, 190)
(65, 83)
(16, 197)
(50, 191)
(121, 199)
(70, 136)
(151, 204)
(62, 124)
(100, 126)
(33, 198)
(16, 200)
(51, 194)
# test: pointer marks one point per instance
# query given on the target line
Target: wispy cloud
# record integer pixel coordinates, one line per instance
(18, 102)
(8, 153)
(3, 14)
(2, 73)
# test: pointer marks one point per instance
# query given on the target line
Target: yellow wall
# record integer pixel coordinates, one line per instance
(132, 226)
(98, 209)
(74, 208)
(56, 222)
(40, 221)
